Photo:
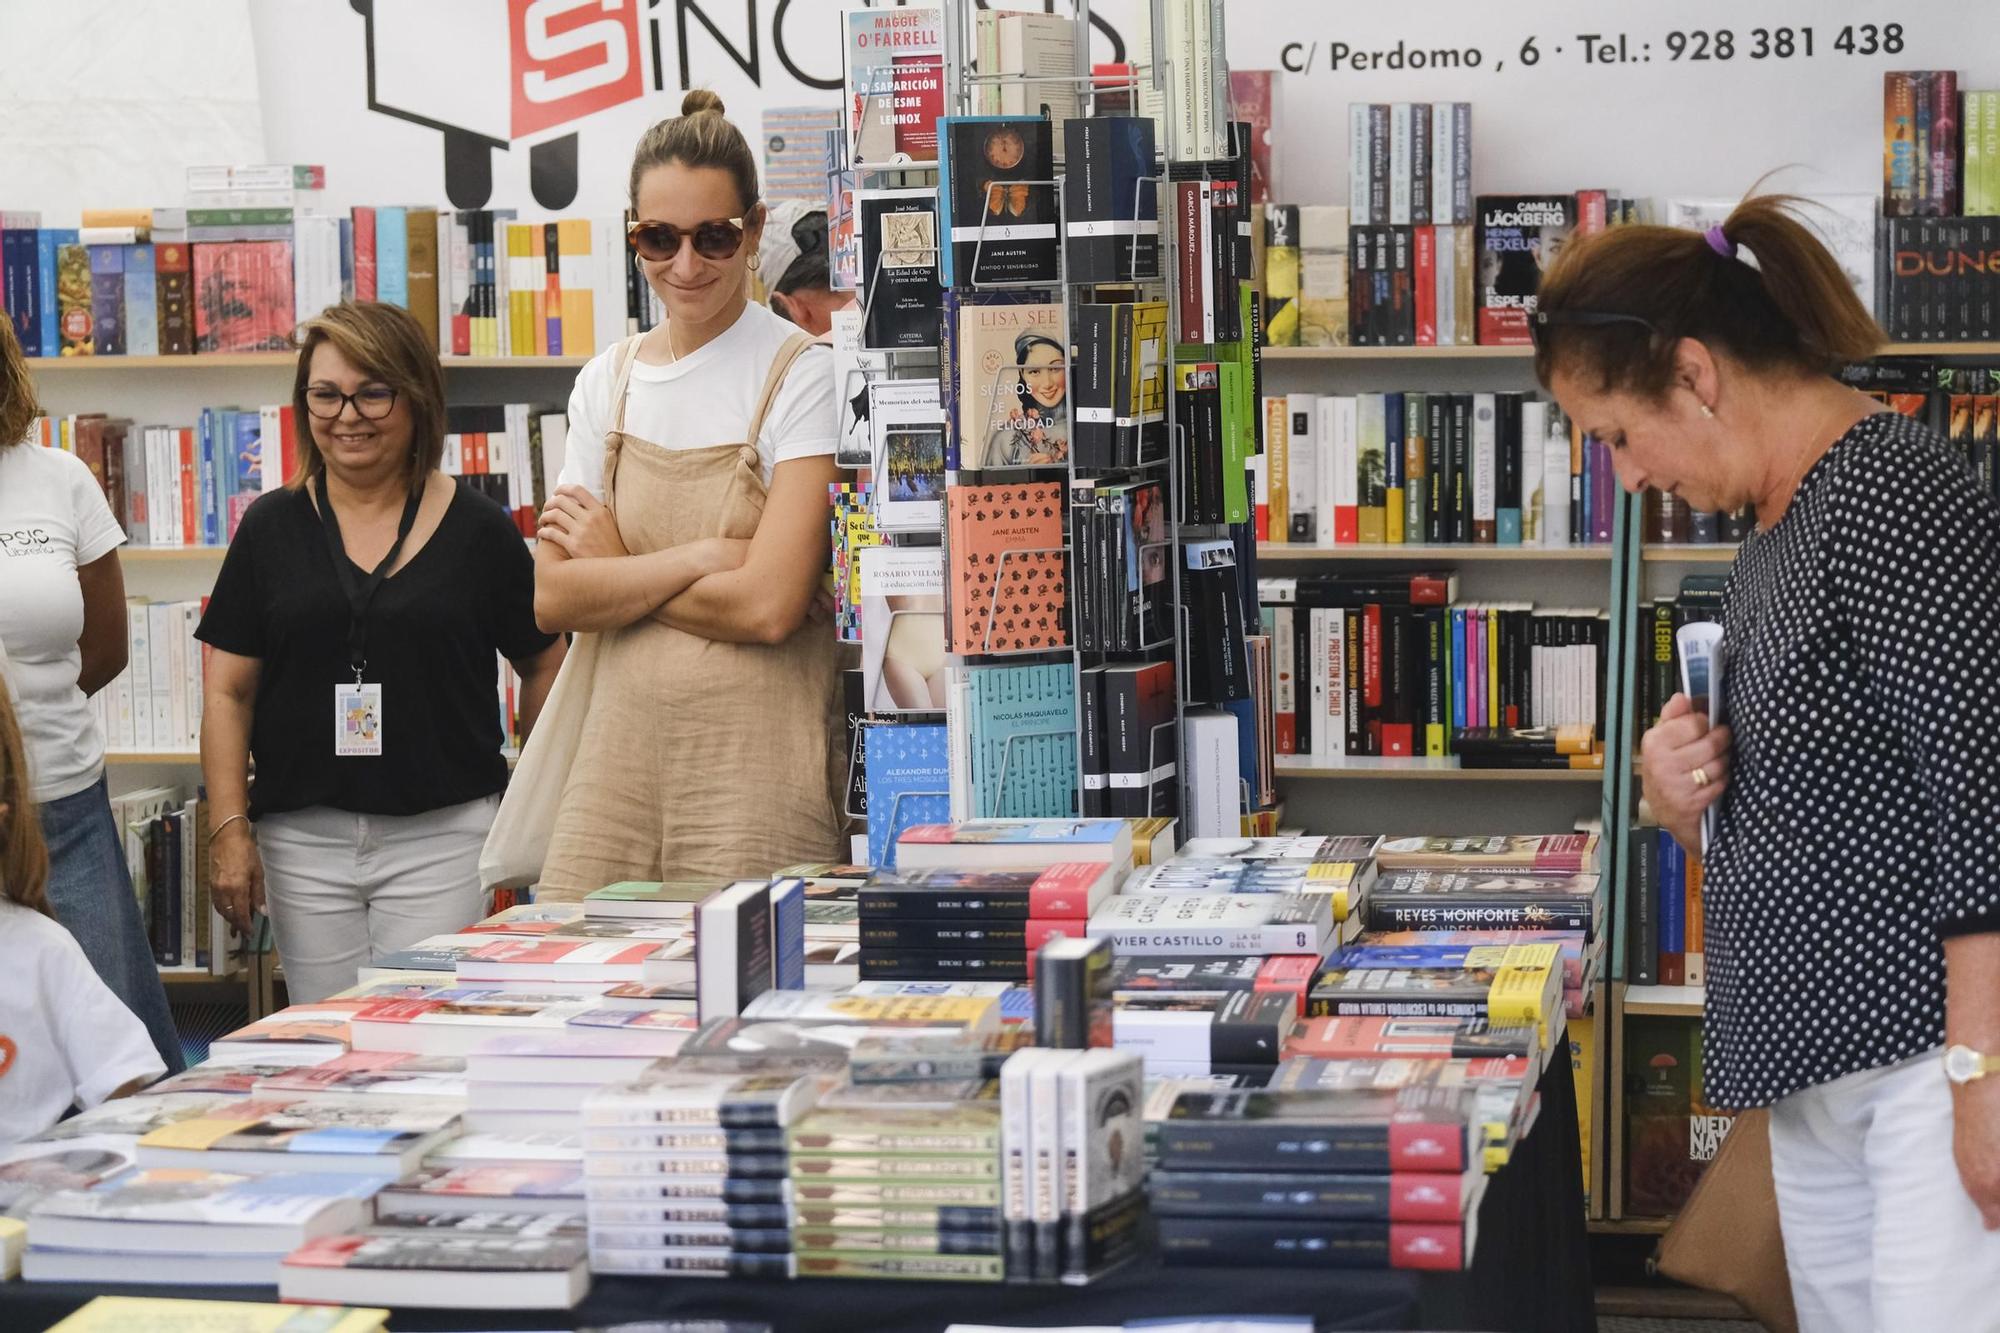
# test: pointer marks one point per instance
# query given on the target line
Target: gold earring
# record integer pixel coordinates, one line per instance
(756, 261)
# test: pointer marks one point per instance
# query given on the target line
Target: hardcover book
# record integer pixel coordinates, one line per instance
(1066, 891)
(997, 201)
(1006, 590)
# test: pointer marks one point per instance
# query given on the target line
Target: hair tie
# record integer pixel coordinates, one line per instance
(1719, 243)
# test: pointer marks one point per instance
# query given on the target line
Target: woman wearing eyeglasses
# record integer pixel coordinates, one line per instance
(690, 531)
(352, 635)
(1852, 892)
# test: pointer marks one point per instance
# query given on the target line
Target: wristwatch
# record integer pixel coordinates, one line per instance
(1964, 1065)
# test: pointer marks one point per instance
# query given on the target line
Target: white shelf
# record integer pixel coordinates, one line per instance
(1383, 551)
(152, 756)
(1425, 768)
(1669, 1001)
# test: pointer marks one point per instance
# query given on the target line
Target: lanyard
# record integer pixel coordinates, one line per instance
(360, 594)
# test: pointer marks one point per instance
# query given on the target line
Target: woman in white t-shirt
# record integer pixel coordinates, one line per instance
(65, 1040)
(62, 623)
(690, 531)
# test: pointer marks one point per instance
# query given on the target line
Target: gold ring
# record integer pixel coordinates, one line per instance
(1699, 775)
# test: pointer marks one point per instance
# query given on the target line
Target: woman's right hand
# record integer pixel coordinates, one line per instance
(236, 875)
(1670, 754)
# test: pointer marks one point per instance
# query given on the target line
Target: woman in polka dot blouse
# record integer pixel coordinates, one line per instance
(1852, 902)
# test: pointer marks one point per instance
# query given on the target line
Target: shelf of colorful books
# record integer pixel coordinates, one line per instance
(275, 361)
(1424, 768)
(1469, 353)
(1383, 551)
(1675, 553)
(1668, 1001)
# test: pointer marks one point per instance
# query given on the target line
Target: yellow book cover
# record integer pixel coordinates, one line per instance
(13, 1240)
(579, 316)
(1337, 880)
(1277, 467)
(199, 1134)
(976, 1011)
(1152, 840)
(520, 298)
(1527, 987)
(124, 1314)
(1583, 1064)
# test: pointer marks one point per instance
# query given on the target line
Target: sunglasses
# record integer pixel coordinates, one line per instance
(1542, 321)
(719, 238)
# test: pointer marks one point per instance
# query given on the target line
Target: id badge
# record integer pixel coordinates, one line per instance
(357, 720)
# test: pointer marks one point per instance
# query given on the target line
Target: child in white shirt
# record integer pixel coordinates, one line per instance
(65, 1040)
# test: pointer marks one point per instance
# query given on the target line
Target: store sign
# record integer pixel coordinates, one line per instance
(571, 59)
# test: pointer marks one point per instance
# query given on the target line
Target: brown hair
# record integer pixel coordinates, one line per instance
(1794, 312)
(386, 343)
(698, 137)
(17, 391)
(24, 857)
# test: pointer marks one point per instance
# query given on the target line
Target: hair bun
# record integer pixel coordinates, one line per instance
(699, 100)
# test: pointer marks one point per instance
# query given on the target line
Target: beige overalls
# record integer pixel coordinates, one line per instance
(699, 759)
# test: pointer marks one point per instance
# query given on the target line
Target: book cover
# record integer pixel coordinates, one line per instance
(895, 84)
(1409, 1196)
(908, 784)
(854, 370)
(907, 424)
(900, 294)
(1112, 210)
(1007, 590)
(351, 1133)
(1063, 891)
(1215, 923)
(1519, 237)
(1550, 853)
(1023, 733)
(902, 630)
(1317, 1243)
(734, 949)
(1008, 393)
(1420, 1038)
(243, 296)
(997, 201)
(1420, 1128)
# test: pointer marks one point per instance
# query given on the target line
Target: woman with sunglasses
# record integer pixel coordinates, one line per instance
(1852, 893)
(352, 637)
(690, 531)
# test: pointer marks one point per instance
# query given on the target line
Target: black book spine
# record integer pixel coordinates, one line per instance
(1436, 414)
(918, 901)
(1642, 932)
(1090, 727)
(1402, 288)
(1457, 465)
(1358, 290)
(930, 965)
(1351, 681)
(1302, 680)
(901, 934)
(1276, 1244)
(1270, 1194)
(1263, 1145)
(1474, 912)
(1508, 453)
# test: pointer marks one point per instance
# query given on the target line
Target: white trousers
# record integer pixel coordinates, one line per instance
(1880, 1235)
(343, 888)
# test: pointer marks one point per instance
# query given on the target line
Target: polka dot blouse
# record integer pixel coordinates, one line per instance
(1862, 823)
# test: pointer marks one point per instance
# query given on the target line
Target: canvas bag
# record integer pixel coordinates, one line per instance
(1726, 1238)
(518, 845)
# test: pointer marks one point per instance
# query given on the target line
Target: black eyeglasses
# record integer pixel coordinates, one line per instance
(371, 401)
(718, 238)
(1542, 321)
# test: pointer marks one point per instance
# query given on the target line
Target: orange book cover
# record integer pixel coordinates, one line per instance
(1006, 590)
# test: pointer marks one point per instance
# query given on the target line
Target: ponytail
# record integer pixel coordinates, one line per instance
(1760, 288)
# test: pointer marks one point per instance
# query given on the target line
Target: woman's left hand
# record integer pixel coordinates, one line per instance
(1975, 1125)
(580, 524)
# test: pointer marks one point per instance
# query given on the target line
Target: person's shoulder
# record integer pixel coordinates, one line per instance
(273, 507)
(31, 462)
(33, 936)
(770, 331)
(1887, 454)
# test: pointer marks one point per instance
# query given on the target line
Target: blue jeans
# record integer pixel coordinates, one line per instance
(91, 890)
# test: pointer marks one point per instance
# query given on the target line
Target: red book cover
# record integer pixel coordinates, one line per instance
(1289, 974)
(1253, 99)
(1006, 591)
(1371, 676)
(1062, 892)
(918, 81)
(1425, 251)
(1043, 929)
(1592, 211)
(243, 296)
(1190, 217)
(190, 486)
(364, 254)
(288, 441)
(1439, 1246)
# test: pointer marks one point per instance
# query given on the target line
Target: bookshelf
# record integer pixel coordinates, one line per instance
(1421, 769)
(1665, 1001)
(1527, 353)
(219, 361)
(1391, 552)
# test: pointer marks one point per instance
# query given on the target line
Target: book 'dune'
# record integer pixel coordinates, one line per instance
(994, 1061)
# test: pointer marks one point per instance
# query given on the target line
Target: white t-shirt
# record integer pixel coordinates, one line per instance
(53, 518)
(706, 398)
(65, 1040)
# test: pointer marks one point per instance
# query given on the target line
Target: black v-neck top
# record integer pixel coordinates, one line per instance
(1861, 826)
(433, 631)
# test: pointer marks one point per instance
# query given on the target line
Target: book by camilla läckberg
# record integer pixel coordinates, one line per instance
(1519, 238)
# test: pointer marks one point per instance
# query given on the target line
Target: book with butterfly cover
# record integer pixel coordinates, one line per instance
(1006, 383)
(1005, 588)
(997, 205)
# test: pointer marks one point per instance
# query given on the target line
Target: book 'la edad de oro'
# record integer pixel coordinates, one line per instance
(1223, 923)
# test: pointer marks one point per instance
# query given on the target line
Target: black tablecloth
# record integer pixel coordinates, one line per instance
(1531, 1272)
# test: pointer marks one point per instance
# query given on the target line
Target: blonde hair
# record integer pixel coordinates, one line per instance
(24, 857)
(386, 343)
(17, 390)
(698, 137)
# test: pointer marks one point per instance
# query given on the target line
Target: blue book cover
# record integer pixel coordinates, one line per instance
(1458, 666)
(788, 934)
(909, 783)
(21, 284)
(1245, 712)
(392, 256)
(47, 241)
(347, 259)
(247, 455)
(1673, 895)
(1023, 732)
(142, 302)
(107, 299)
(1392, 447)
(205, 471)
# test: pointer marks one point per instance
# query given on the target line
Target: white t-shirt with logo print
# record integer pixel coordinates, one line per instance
(53, 519)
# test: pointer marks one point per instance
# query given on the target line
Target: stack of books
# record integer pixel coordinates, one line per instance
(485, 1261)
(925, 925)
(897, 1149)
(667, 1123)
